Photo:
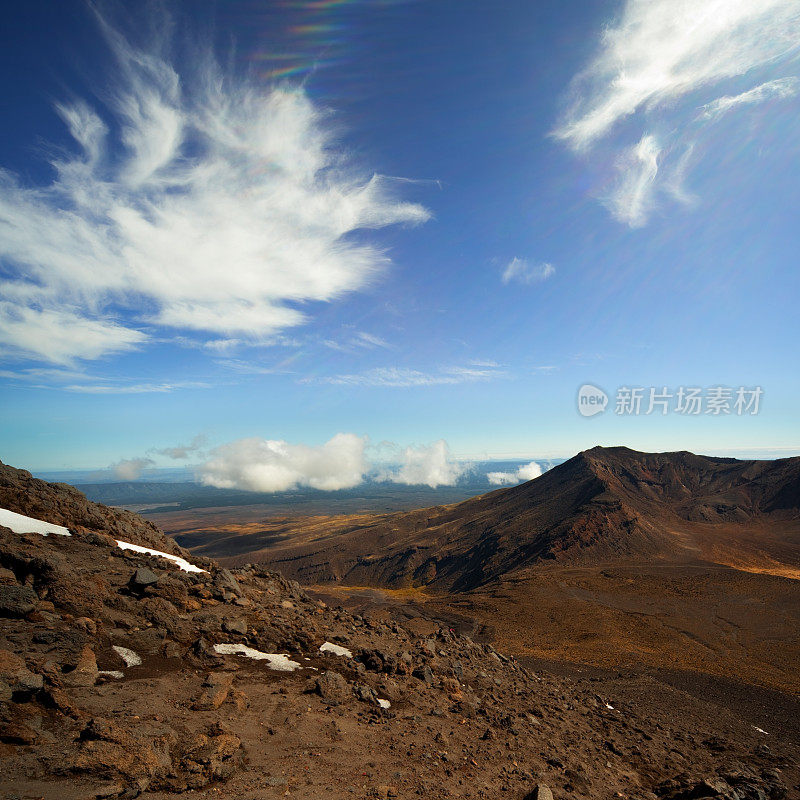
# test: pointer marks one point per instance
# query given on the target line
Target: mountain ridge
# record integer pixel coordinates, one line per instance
(602, 504)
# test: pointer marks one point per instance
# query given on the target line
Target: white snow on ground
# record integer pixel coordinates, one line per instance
(181, 562)
(19, 523)
(760, 730)
(277, 661)
(329, 647)
(111, 673)
(130, 658)
(384, 703)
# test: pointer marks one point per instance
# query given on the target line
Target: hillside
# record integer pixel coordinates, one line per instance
(615, 558)
(123, 675)
(603, 505)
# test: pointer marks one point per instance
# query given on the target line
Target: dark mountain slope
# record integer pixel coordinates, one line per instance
(605, 504)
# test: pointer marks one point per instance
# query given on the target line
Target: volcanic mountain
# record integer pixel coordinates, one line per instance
(129, 667)
(605, 505)
(672, 562)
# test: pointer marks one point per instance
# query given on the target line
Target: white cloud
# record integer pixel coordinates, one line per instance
(527, 472)
(57, 335)
(632, 198)
(183, 451)
(402, 376)
(429, 465)
(263, 465)
(221, 206)
(652, 65)
(134, 388)
(520, 270)
(359, 341)
(779, 89)
(131, 468)
(660, 50)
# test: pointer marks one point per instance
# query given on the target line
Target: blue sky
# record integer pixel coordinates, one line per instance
(401, 223)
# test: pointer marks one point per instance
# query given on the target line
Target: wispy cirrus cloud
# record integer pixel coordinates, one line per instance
(779, 89)
(632, 198)
(134, 388)
(637, 98)
(197, 201)
(520, 270)
(404, 376)
(360, 340)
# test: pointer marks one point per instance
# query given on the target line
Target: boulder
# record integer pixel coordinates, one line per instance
(332, 687)
(142, 578)
(16, 601)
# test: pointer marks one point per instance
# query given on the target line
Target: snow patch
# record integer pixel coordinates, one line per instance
(181, 562)
(19, 523)
(384, 703)
(111, 673)
(277, 661)
(329, 647)
(130, 658)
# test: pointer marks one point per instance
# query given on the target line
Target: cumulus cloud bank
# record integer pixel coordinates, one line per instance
(527, 472)
(268, 465)
(651, 60)
(130, 469)
(264, 465)
(427, 465)
(196, 202)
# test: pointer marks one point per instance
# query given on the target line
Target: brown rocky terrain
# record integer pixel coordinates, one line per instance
(614, 559)
(112, 685)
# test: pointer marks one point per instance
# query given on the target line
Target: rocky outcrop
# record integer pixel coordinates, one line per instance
(62, 504)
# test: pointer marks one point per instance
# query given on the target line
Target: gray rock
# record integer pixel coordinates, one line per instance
(424, 674)
(332, 687)
(366, 694)
(17, 601)
(29, 681)
(542, 792)
(143, 577)
(225, 581)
